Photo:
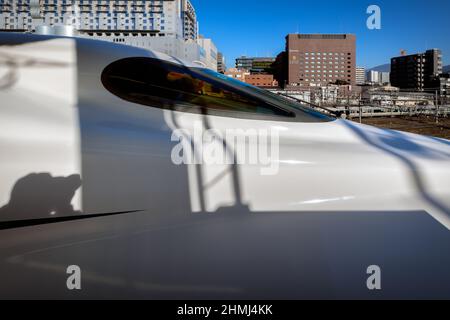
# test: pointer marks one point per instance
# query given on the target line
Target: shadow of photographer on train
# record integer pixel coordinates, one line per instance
(39, 195)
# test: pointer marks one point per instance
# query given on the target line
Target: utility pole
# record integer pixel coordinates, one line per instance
(360, 108)
(437, 107)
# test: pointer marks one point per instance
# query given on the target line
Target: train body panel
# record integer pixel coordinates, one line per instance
(321, 203)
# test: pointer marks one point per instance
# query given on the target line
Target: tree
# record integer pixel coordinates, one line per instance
(279, 68)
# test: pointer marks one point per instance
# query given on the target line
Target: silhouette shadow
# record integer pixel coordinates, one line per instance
(232, 169)
(402, 142)
(39, 195)
(13, 63)
(387, 146)
(443, 141)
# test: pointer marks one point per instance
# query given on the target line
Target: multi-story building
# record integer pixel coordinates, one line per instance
(262, 64)
(373, 77)
(360, 75)
(416, 72)
(261, 80)
(385, 78)
(157, 17)
(221, 63)
(320, 59)
(441, 84)
(189, 17)
(244, 63)
(378, 77)
(208, 52)
(238, 74)
(169, 26)
(255, 64)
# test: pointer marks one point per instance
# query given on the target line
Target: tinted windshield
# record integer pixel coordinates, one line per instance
(268, 96)
(162, 84)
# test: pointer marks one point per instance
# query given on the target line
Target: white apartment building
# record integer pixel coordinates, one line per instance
(169, 26)
(159, 17)
(190, 23)
(377, 77)
(385, 77)
(360, 75)
(209, 52)
(373, 76)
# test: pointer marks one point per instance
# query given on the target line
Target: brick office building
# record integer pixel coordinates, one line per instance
(320, 59)
(261, 80)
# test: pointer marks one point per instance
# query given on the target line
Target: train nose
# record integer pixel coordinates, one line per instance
(402, 144)
(424, 160)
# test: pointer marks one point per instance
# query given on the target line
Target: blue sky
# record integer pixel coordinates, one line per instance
(258, 27)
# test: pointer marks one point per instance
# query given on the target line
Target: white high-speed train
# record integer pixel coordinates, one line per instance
(103, 166)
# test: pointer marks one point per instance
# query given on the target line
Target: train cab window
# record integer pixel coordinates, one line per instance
(163, 84)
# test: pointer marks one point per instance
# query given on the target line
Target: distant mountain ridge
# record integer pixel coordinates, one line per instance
(382, 68)
(446, 69)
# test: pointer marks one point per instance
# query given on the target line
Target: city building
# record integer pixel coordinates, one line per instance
(378, 78)
(160, 18)
(190, 23)
(169, 26)
(360, 75)
(244, 63)
(416, 72)
(373, 77)
(320, 59)
(238, 74)
(261, 80)
(385, 78)
(255, 64)
(221, 63)
(262, 64)
(441, 85)
(208, 53)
